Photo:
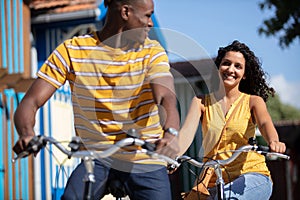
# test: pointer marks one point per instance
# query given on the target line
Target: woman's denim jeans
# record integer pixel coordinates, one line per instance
(247, 186)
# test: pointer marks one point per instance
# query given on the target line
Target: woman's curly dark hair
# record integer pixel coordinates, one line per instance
(255, 81)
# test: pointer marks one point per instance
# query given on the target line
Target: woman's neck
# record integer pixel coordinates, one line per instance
(229, 98)
(232, 94)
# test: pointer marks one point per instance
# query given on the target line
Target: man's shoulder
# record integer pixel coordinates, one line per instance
(86, 39)
(151, 42)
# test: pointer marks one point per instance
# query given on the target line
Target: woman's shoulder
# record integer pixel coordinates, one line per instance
(255, 97)
(255, 100)
(200, 101)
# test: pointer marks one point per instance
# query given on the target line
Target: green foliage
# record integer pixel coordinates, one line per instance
(286, 22)
(280, 111)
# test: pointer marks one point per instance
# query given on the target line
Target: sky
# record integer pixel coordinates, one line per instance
(198, 28)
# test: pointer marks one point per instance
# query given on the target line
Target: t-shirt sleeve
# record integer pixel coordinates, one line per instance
(159, 63)
(56, 67)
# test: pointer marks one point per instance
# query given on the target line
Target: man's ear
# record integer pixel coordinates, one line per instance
(125, 12)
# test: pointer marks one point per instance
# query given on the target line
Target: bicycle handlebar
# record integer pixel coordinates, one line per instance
(259, 149)
(39, 142)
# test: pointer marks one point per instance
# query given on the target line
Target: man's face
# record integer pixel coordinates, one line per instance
(139, 20)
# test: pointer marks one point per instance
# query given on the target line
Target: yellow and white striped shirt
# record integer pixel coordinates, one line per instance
(110, 87)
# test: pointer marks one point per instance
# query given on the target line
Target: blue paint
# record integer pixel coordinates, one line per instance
(9, 93)
(103, 11)
(51, 148)
(158, 33)
(42, 154)
(9, 39)
(16, 44)
(20, 33)
(2, 173)
(23, 162)
(3, 34)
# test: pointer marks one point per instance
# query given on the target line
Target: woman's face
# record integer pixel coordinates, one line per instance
(232, 68)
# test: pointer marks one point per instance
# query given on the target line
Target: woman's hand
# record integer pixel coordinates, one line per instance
(168, 145)
(276, 146)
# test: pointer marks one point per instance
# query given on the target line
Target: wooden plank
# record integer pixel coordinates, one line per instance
(3, 72)
(10, 80)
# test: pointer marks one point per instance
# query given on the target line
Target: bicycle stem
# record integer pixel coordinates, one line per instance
(89, 177)
(219, 182)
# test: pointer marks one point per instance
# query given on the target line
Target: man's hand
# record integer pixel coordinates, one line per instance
(22, 143)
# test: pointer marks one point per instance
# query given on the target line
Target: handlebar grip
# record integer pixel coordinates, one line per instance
(149, 146)
(34, 146)
(263, 148)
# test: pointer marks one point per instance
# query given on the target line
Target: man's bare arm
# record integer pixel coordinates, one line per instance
(165, 97)
(24, 117)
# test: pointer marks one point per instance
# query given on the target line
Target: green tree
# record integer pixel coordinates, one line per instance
(280, 111)
(286, 22)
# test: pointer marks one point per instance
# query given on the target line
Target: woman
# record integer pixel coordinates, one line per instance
(245, 93)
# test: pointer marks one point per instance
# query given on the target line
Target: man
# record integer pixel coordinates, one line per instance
(119, 79)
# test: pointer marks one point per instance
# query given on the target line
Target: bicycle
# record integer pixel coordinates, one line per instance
(115, 187)
(217, 164)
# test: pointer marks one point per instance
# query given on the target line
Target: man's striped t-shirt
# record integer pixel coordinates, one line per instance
(110, 87)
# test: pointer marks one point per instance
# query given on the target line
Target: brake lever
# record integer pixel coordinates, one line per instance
(34, 146)
(20, 155)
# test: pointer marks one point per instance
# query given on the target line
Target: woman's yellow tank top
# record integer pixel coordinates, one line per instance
(239, 129)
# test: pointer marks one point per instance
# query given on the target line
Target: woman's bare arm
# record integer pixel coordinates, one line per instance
(190, 125)
(265, 124)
